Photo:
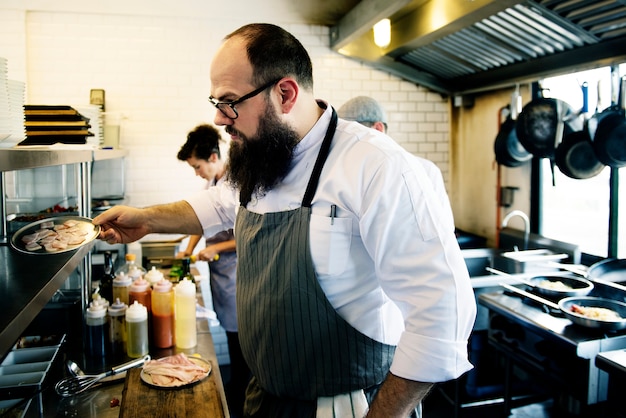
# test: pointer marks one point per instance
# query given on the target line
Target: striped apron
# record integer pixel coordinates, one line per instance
(297, 346)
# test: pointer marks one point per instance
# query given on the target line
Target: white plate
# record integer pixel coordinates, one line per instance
(197, 360)
(16, 239)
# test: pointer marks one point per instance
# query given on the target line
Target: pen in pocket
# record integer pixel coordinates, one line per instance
(333, 213)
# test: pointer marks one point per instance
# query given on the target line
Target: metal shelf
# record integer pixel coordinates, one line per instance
(27, 282)
(19, 159)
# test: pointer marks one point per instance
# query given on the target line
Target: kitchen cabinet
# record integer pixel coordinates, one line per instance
(27, 282)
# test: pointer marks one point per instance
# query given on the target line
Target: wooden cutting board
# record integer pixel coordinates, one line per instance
(140, 400)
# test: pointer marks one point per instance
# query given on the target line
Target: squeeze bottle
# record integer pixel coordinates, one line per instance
(185, 314)
(121, 283)
(137, 330)
(141, 292)
(117, 328)
(153, 276)
(163, 314)
(131, 268)
(96, 330)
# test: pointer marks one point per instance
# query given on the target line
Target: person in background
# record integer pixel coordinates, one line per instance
(202, 153)
(366, 111)
(352, 293)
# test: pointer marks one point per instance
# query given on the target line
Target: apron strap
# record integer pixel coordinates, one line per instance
(321, 159)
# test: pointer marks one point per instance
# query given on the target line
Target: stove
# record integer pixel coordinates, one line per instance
(544, 343)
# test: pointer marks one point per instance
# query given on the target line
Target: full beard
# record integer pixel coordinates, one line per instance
(258, 163)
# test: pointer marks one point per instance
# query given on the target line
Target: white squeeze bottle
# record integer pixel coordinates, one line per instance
(185, 314)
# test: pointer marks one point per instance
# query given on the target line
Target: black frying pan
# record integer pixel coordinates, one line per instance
(537, 125)
(610, 270)
(507, 148)
(565, 306)
(609, 135)
(575, 156)
(547, 285)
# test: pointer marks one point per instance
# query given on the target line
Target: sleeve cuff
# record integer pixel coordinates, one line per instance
(430, 360)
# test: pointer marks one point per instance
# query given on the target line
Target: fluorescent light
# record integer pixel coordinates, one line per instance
(382, 33)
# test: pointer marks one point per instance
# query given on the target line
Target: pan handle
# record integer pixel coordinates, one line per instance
(531, 296)
(584, 87)
(576, 269)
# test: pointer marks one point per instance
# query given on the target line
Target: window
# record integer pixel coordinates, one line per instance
(577, 211)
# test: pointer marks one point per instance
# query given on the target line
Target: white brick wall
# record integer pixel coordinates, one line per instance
(153, 63)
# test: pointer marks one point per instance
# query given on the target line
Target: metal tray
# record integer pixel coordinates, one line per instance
(18, 244)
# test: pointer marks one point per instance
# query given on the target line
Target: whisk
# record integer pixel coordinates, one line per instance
(78, 384)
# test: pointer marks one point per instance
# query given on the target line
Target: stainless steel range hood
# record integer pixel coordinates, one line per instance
(459, 47)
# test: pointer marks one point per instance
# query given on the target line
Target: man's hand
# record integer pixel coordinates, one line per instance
(122, 224)
(398, 397)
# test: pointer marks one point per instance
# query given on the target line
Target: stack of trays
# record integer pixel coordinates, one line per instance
(5, 111)
(16, 104)
(24, 369)
(11, 108)
(47, 125)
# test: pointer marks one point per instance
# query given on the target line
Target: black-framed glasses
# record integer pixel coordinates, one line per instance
(228, 108)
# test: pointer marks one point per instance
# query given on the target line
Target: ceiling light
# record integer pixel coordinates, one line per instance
(382, 33)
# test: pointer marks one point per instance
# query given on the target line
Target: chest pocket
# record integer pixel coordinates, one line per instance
(330, 244)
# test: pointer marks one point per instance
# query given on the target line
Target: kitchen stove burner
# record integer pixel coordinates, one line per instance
(547, 344)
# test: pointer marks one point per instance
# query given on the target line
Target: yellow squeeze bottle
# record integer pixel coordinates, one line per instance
(185, 314)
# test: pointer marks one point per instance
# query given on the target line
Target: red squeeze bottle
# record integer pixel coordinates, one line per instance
(140, 291)
(163, 314)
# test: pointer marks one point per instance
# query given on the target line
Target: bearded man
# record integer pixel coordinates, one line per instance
(353, 297)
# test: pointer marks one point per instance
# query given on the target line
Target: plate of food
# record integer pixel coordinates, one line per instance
(175, 371)
(55, 235)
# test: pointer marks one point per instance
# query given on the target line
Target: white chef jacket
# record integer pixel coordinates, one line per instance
(389, 262)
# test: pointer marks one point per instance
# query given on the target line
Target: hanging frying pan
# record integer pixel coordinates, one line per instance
(609, 136)
(542, 124)
(575, 155)
(538, 125)
(509, 152)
